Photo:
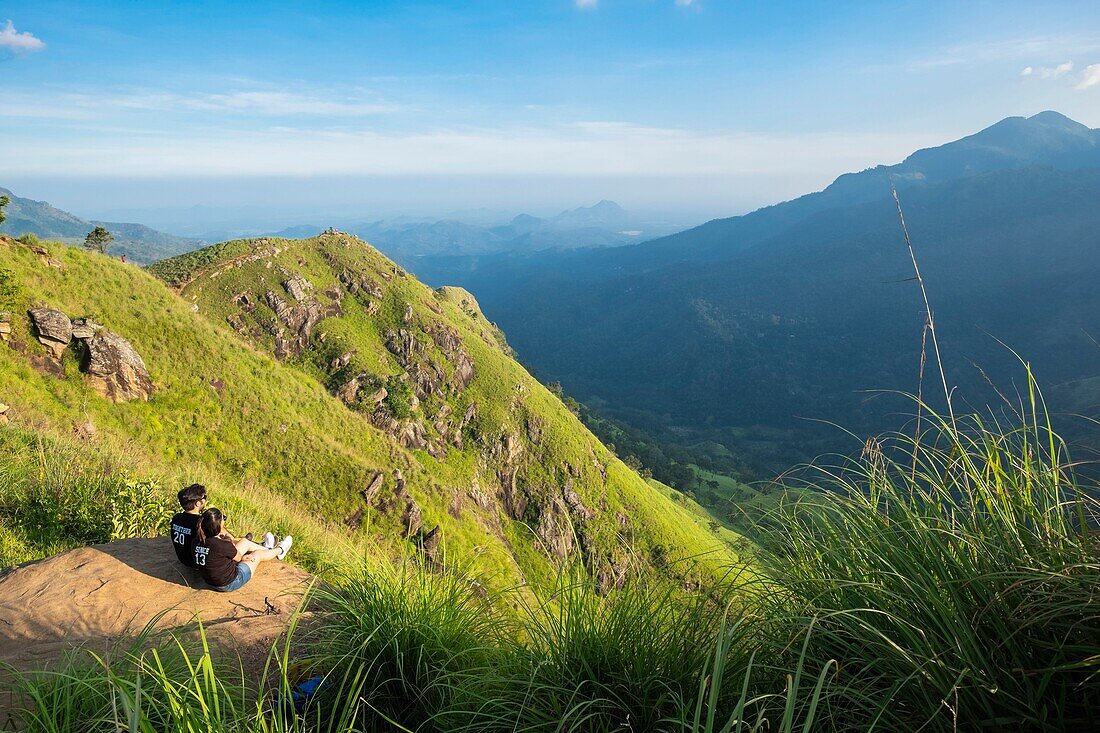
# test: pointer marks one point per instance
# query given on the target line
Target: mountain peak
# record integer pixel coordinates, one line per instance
(1057, 119)
(606, 205)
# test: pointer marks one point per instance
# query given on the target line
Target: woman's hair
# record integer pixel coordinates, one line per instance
(210, 525)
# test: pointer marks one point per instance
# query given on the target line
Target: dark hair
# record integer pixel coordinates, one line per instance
(191, 495)
(210, 525)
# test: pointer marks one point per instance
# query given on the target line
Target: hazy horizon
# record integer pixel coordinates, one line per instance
(682, 109)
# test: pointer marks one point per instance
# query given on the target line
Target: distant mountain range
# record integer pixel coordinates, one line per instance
(138, 242)
(744, 331)
(605, 224)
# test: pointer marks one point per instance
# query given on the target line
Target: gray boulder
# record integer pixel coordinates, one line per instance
(116, 370)
(53, 329)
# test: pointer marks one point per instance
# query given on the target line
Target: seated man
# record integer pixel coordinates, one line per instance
(185, 526)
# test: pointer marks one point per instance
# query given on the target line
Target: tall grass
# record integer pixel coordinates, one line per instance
(962, 595)
(56, 495)
(958, 592)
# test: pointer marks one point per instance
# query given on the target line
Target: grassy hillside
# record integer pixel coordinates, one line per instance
(272, 441)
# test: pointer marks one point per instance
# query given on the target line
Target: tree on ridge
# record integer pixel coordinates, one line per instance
(98, 240)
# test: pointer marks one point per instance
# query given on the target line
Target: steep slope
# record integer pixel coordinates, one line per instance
(799, 325)
(507, 483)
(137, 242)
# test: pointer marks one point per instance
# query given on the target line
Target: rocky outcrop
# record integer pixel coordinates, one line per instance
(411, 516)
(512, 496)
(85, 328)
(554, 529)
(116, 370)
(5, 326)
(430, 546)
(359, 283)
(413, 436)
(573, 501)
(370, 494)
(426, 376)
(611, 573)
(450, 343)
(297, 287)
(53, 329)
(4, 413)
(299, 320)
(534, 429)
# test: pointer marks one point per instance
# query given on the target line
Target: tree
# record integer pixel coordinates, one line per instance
(4, 201)
(98, 240)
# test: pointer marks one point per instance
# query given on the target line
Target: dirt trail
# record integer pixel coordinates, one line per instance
(93, 596)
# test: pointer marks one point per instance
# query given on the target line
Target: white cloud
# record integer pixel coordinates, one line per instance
(1090, 77)
(1056, 72)
(1027, 71)
(19, 43)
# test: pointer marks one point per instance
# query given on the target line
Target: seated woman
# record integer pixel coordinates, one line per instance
(227, 564)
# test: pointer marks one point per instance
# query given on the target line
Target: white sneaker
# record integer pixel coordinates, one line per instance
(284, 546)
(269, 541)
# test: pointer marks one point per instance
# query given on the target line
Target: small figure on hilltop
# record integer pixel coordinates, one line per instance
(98, 240)
(185, 526)
(228, 564)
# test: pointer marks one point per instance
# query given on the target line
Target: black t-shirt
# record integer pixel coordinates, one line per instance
(184, 528)
(215, 559)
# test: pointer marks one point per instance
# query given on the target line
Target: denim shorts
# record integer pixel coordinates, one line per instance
(244, 574)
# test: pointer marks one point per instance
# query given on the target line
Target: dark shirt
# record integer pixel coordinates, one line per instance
(184, 528)
(215, 559)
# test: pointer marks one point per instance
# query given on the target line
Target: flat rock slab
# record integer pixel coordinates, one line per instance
(93, 596)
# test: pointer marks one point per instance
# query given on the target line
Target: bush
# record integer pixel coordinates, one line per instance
(53, 499)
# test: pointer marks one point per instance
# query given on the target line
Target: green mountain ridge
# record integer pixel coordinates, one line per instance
(139, 243)
(512, 489)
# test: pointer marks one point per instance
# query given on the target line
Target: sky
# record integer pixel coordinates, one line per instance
(697, 108)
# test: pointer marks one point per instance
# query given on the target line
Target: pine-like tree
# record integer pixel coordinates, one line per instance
(98, 240)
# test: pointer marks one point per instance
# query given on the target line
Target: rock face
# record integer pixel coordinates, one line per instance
(5, 326)
(4, 413)
(53, 328)
(297, 287)
(299, 319)
(116, 370)
(84, 328)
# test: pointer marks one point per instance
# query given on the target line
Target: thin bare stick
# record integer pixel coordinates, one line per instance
(920, 395)
(931, 323)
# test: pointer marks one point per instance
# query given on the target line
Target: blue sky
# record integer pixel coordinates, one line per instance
(705, 107)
